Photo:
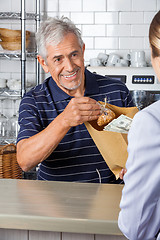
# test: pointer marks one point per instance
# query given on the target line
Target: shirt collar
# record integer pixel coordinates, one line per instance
(91, 84)
(57, 93)
(91, 87)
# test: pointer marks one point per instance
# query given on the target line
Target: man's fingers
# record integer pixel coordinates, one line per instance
(122, 173)
(91, 113)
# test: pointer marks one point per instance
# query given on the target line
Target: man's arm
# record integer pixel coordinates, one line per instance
(33, 150)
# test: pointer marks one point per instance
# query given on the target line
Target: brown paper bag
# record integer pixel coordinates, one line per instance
(112, 145)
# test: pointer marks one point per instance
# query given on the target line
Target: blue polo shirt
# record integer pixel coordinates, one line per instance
(76, 158)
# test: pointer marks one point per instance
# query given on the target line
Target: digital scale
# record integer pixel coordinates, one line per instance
(142, 78)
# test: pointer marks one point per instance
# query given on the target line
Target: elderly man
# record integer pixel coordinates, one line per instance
(52, 115)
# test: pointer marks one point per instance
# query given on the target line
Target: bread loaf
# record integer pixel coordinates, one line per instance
(106, 117)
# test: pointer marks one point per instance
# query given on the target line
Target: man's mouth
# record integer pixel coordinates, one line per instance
(71, 81)
(71, 75)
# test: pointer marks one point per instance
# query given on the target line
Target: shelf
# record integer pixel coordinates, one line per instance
(4, 92)
(22, 54)
(17, 55)
(7, 141)
(14, 15)
(10, 55)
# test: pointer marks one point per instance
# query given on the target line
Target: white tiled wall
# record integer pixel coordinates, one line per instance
(107, 26)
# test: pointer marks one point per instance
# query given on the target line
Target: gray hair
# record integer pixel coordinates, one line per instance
(52, 32)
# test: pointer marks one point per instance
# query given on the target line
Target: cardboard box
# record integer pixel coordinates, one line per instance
(112, 145)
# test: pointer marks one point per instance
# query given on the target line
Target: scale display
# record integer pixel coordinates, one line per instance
(141, 79)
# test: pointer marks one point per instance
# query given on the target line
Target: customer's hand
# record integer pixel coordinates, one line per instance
(80, 110)
(122, 173)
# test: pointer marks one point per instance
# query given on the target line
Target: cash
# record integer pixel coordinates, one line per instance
(121, 124)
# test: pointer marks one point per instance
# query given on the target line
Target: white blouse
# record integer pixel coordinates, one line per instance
(139, 218)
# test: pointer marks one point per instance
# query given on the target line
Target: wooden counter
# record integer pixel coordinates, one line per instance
(76, 210)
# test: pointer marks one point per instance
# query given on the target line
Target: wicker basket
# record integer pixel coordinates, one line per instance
(9, 167)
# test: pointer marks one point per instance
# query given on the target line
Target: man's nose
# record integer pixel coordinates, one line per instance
(69, 65)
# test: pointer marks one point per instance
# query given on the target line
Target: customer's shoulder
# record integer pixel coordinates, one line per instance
(153, 110)
(149, 114)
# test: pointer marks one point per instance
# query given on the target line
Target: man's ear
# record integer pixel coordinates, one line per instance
(83, 48)
(43, 63)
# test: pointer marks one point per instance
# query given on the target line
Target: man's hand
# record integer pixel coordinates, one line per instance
(122, 173)
(80, 110)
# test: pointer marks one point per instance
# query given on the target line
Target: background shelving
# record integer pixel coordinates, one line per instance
(15, 15)
(23, 56)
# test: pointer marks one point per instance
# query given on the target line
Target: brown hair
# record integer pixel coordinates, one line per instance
(154, 35)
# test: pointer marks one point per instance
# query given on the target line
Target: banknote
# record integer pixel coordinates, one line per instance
(114, 129)
(121, 124)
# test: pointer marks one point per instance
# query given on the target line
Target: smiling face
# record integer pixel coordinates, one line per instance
(65, 62)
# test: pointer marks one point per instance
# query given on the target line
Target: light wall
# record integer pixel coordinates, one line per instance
(107, 26)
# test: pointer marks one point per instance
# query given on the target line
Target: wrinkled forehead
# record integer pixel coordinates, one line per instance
(67, 46)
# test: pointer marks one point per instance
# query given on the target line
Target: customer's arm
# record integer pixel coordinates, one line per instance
(140, 204)
(33, 150)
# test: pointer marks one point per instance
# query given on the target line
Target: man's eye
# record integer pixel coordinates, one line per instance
(57, 60)
(74, 54)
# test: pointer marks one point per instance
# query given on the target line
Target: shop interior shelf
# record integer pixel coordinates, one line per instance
(5, 92)
(10, 55)
(14, 15)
